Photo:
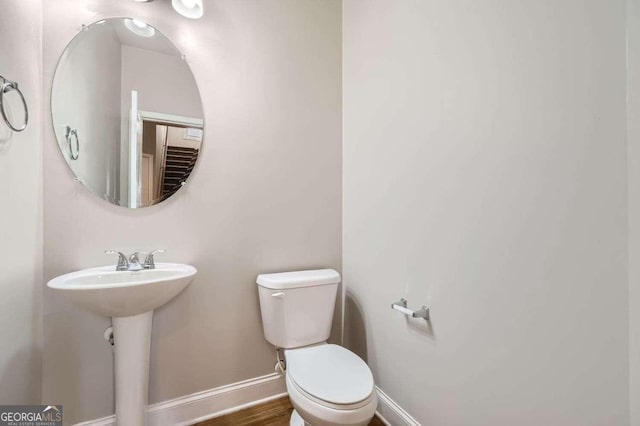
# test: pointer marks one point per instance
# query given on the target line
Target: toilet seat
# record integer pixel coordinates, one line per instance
(323, 403)
(330, 375)
(318, 413)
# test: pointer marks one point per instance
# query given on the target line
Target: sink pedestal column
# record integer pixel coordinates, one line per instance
(132, 343)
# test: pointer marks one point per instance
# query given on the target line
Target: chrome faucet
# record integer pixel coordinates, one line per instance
(149, 262)
(133, 263)
(123, 263)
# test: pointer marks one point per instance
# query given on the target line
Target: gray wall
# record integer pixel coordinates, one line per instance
(265, 196)
(485, 174)
(21, 210)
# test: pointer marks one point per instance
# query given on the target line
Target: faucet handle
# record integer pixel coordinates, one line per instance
(123, 264)
(149, 262)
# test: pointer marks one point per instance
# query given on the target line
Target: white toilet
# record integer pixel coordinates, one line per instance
(328, 385)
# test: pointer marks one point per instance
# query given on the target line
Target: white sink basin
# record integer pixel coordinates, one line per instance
(129, 298)
(114, 293)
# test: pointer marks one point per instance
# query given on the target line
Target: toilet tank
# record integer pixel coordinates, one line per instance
(297, 307)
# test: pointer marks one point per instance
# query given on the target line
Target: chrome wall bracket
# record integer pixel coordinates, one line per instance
(401, 306)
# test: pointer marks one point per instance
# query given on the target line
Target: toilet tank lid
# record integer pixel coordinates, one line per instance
(298, 279)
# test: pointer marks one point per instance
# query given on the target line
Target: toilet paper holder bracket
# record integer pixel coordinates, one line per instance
(401, 306)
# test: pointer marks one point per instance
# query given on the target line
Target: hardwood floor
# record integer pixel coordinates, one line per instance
(273, 413)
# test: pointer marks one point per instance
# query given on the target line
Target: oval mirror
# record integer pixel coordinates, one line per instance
(126, 112)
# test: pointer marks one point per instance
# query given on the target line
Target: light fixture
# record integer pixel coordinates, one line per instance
(139, 27)
(188, 8)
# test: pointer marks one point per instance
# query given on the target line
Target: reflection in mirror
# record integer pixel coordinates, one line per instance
(127, 112)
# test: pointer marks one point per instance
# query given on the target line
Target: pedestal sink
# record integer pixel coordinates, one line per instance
(129, 297)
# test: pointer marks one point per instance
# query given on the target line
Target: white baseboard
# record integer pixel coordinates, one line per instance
(391, 413)
(217, 402)
(208, 404)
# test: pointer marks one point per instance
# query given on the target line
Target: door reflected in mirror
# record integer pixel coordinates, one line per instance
(169, 153)
(127, 113)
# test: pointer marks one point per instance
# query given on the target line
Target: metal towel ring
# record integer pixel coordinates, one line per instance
(69, 133)
(6, 87)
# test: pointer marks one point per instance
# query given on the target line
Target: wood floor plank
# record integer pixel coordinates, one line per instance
(272, 413)
(376, 422)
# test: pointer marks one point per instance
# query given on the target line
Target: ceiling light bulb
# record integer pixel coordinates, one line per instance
(139, 27)
(189, 8)
(139, 24)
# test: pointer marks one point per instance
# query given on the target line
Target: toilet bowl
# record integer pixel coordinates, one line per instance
(328, 385)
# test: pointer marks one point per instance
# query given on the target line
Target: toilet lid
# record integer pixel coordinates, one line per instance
(330, 373)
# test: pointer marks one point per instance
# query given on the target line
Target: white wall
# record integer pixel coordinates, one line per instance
(485, 174)
(88, 73)
(264, 197)
(169, 89)
(21, 210)
(633, 154)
